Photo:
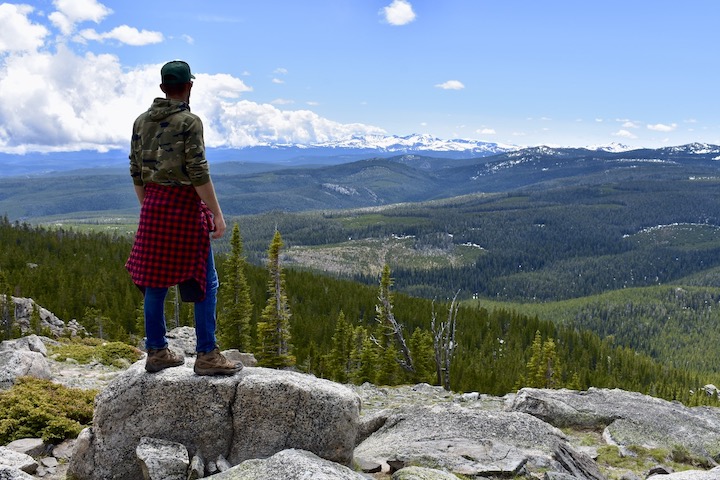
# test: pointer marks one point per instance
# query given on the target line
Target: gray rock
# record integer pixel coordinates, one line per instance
(370, 424)
(222, 464)
(19, 363)
(182, 339)
(577, 464)
(422, 473)
(559, 476)
(252, 414)
(713, 474)
(462, 440)
(367, 466)
(629, 418)
(49, 462)
(162, 460)
(31, 343)
(234, 355)
(197, 468)
(291, 464)
(28, 446)
(20, 461)
(64, 450)
(470, 397)
(12, 473)
(48, 321)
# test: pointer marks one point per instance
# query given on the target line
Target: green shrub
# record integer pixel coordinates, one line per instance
(680, 454)
(115, 353)
(79, 353)
(108, 353)
(40, 408)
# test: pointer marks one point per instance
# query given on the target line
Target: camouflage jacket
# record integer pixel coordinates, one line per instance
(167, 146)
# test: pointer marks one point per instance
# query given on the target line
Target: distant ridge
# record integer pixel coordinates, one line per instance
(339, 152)
(324, 153)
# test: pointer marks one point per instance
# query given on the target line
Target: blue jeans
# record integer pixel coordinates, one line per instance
(205, 322)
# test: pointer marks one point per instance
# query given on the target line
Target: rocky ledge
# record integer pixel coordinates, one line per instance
(269, 424)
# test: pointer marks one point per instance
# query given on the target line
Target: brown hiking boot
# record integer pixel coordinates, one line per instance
(162, 358)
(215, 363)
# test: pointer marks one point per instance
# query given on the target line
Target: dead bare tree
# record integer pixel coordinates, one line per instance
(386, 317)
(444, 342)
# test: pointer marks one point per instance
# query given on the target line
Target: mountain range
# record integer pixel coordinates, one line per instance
(324, 153)
(248, 187)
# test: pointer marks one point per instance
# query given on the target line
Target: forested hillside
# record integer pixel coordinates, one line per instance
(333, 324)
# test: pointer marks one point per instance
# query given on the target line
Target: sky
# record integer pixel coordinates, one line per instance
(74, 74)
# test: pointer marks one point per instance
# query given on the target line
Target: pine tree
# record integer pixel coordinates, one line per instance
(421, 346)
(7, 307)
(338, 360)
(551, 363)
(534, 376)
(234, 318)
(35, 323)
(274, 349)
(543, 368)
(364, 357)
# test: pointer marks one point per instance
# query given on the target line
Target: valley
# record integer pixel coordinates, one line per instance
(622, 244)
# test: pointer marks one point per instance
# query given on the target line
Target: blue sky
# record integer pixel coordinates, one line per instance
(75, 73)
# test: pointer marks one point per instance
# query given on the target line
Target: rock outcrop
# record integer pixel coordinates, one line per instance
(48, 321)
(461, 440)
(22, 357)
(271, 424)
(252, 414)
(291, 464)
(628, 418)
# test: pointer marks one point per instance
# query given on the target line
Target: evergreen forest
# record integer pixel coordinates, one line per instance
(333, 323)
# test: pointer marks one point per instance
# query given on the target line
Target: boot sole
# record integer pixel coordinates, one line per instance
(159, 368)
(217, 371)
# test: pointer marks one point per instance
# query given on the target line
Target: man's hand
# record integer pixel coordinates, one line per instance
(220, 227)
(206, 193)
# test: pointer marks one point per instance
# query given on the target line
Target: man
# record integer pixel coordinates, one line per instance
(179, 212)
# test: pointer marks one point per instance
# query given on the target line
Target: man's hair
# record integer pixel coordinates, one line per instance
(173, 89)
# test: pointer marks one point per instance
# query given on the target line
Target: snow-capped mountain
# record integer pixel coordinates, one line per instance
(417, 142)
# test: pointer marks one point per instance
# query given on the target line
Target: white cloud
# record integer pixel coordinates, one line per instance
(625, 134)
(245, 123)
(188, 39)
(18, 33)
(451, 85)
(278, 81)
(630, 124)
(54, 99)
(282, 101)
(71, 12)
(65, 102)
(398, 13)
(660, 127)
(124, 34)
(281, 71)
(312, 103)
(486, 131)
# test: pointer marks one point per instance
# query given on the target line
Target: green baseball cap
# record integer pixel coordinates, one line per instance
(176, 72)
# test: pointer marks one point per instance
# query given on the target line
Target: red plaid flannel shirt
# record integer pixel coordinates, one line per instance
(172, 242)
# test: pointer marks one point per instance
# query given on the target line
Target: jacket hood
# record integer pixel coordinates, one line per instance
(163, 108)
